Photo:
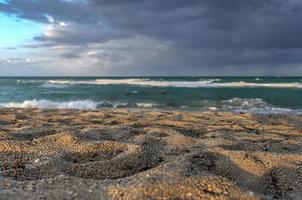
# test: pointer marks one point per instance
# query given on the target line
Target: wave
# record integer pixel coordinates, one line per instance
(84, 105)
(147, 105)
(79, 104)
(249, 105)
(48, 85)
(255, 85)
(232, 105)
(245, 103)
(253, 105)
(210, 83)
(138, 82)
(29, 81)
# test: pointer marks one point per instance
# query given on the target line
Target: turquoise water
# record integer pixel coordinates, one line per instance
(252, 94)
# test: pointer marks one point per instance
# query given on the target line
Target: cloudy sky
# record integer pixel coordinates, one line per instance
(150, 37)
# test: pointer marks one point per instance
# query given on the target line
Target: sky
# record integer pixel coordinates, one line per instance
(150, 38)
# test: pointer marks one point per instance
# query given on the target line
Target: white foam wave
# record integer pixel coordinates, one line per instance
(29, 81)
(78, 104)
(254, 105)
(65, 82)
(231, 105)
(147, 105)
(210, 83)
(85, 105)
(266, 85)
(244, 102)
(138, 82)
(48, 85)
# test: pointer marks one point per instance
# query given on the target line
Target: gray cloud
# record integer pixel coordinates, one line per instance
(204, 35)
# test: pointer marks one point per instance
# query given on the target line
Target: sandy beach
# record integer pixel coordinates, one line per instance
(122, 154)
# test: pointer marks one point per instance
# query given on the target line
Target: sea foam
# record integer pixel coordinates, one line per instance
(232, 105)
(78, 104)
(254, 105)
(85, 105)
(137, 82)
(210, 83)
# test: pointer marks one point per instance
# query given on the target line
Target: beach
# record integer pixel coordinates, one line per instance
(145, 154)
(150, 100)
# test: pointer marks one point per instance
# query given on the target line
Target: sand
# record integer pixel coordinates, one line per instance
(121, 154)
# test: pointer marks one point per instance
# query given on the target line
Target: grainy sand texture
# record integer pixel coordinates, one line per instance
(121, 154)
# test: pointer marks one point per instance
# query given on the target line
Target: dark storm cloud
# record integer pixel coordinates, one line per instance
(201, 33)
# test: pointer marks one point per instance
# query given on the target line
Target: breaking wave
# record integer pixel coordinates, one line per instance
(254, 105)
(231, 105)
(137, 82)
(87, 104)
(147, 105)
(210, 83)
(79, 104)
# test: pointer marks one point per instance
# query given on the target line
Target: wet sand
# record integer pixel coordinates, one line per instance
(121, 154)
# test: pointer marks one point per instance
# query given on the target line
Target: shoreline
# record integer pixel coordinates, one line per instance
(143, 154)
(290, 112)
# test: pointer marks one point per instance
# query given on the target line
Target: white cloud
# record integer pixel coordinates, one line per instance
(62, 24)
(49, 19)
(17, 61)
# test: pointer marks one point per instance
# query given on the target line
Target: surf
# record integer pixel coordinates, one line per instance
(210, 83)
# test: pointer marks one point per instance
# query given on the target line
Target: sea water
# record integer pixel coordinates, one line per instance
(235, 94)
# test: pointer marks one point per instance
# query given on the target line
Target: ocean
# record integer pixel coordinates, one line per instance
(235, 94)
